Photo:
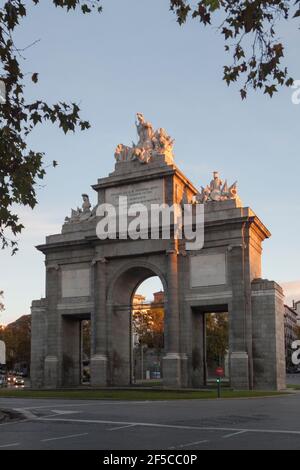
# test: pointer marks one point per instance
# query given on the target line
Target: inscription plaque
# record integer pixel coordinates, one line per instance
(146, 193)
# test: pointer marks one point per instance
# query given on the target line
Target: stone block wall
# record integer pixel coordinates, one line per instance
(268, 335)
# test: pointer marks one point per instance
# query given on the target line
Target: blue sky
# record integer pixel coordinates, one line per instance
(134, 57)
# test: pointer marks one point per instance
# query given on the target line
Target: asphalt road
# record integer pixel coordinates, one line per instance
(268, 423)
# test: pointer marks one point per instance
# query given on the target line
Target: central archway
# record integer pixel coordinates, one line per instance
(122, 288)
(148, 321)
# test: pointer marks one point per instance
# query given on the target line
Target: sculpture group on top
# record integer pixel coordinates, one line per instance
(151, 143)
(217, 190)
(85, 213)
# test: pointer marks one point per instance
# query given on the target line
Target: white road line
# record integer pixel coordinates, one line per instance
(182, 446)
(122, 427)
(25, 412)
(170, 426)
(10, 423)
(10, 445)
(234, 434)
(95, 402)
(64, 437)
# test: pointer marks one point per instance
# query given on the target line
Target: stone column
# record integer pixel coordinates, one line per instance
(38, 342)
(172, 359)
(51, 366)
(99, 325)
(121, 346)
(268, 335)
(239, 359)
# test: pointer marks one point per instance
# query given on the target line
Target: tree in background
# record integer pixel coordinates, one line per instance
(148, 326)
(86, 338)
(217, 330)
(249, 29)
(20, 166)
(17, 336)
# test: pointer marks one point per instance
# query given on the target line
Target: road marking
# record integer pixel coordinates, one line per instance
(169, 426)
(65, 412)
(64, 437)
(99, 402)
(10, 423)
(25, 412)
(182, 446)
(122, 427)
(234, 434)
(10, 445)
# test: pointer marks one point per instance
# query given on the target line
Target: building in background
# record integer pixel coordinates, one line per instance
(158, 298)
(290, 333)
(2, 354)
(296, 306)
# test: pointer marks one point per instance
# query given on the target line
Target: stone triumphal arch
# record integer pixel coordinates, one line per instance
(92, 278)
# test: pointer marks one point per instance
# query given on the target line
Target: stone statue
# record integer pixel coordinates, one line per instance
(79, 215)
(150, 144)
(217, 191)
(123, 153)
(145, 132)
(86, 205)
(141, 154)
(163, 143)
(216, 187)
(119, 152)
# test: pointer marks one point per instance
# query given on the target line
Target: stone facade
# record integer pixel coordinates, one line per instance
(91, 278)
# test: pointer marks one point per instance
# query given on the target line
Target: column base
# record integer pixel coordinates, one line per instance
(175, 370)
(239, 370)
(51, 372)
(99, 370)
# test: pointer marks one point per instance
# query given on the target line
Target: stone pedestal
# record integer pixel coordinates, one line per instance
(51, 372)
(174, 365)
(239, 370)
(99, 371)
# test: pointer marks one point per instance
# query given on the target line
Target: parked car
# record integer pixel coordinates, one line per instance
(19, 382)
(11, 379)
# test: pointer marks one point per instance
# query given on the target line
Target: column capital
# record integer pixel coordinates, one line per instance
(172, 252)
(99, 259)
(54, 266)
(240, 246)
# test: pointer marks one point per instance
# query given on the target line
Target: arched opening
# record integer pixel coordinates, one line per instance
(147, 332)
(131, 295)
